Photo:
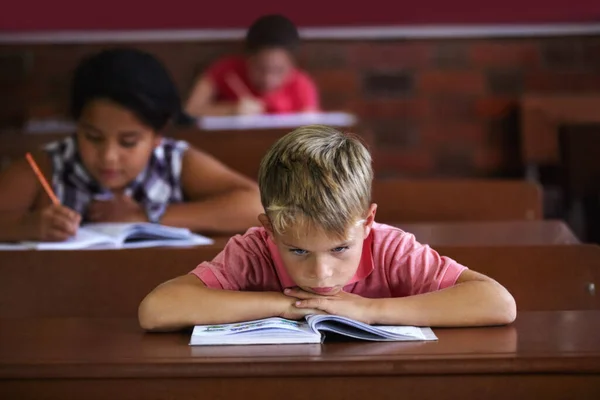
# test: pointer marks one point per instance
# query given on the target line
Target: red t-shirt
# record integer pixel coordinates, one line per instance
(393, 264)
(298, 93)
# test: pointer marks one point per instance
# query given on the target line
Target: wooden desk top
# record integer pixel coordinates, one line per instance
(492, 233)
(538, 342)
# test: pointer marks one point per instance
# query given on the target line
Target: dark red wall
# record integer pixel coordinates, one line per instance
(31, 15)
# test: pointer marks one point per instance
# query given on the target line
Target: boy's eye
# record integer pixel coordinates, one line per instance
(298, 252)
(340, 249)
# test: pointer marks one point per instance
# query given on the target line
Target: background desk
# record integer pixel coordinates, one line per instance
(111, 283)
(491, 233)
(240, 150)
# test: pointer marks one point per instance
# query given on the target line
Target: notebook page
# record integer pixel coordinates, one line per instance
(113, 230)
(14, 246)
(123, 231)
(272, 121)
(83, 239)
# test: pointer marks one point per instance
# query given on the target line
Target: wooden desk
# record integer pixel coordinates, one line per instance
(539, 277)
(112, 283)
(549, 355)
(541, 116)
(492, 233)
(241, 150)
(428, 200)
(90, 283)
(580, 170)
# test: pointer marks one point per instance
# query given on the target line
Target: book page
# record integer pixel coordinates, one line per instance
(272, 121)
(264, 331)
(194, 240)
(249, 326)
(356, 329)
(49, 125)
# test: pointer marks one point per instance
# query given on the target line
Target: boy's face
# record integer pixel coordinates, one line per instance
(317, 262)
(269, 68)
(114, 144)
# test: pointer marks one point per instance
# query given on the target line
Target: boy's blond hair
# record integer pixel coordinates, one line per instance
(316, 176)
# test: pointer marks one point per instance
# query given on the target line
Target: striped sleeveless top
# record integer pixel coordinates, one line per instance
(158, 185)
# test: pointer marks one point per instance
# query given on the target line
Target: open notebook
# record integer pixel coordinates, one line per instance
(272, 121)
(119, 236)
(311, 330)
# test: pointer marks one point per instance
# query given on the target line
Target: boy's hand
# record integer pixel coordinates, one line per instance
(290, 311)
(249, 106)
(343, 304)
(120, 208)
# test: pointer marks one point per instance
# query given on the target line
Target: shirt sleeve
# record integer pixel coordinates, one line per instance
(217, 70)
(243, 265)
(308, 94)
(415, 268)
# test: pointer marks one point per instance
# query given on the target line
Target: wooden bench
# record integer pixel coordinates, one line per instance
(456, 200)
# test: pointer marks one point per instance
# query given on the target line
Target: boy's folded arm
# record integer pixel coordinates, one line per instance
(475, 300)
(185, 301)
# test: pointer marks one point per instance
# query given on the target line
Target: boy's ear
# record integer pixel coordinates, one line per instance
(370, 218)
(266, 223)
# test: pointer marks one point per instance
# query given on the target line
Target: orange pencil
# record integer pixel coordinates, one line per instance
(42, 180)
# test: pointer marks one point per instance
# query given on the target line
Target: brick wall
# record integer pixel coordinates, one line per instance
(437, 107)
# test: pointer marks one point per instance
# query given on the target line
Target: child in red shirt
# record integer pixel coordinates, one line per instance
(319, 250)
(264, 80)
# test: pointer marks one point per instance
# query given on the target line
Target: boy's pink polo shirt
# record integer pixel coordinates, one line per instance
(297, 94)
(393, 264)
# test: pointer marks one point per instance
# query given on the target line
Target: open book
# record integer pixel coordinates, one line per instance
(272, 121)
(277, 330)
(124, 235)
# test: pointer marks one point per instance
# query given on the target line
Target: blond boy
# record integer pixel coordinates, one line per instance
(319, 250)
